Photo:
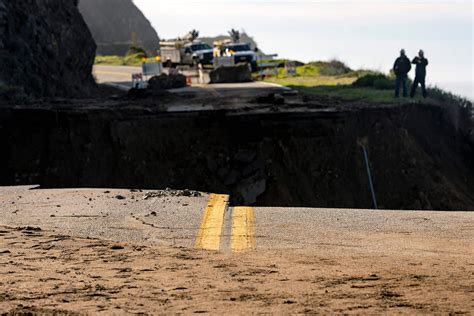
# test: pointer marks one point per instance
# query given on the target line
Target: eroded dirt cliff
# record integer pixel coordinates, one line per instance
(418, 156)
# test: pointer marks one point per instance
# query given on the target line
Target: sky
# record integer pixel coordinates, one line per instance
(364, 34)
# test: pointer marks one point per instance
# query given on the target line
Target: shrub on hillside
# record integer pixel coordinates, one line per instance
(384, 84)
(137, 51)
(324, 68)
(334, 68)
(368, 80)
(134, 59)
(377, 81)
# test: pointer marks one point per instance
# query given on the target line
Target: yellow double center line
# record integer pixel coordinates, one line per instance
(209, 236)
(210, 232)
(242, 229)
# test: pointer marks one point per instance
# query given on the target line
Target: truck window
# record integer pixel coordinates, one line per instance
(239, 48)
(198, 47)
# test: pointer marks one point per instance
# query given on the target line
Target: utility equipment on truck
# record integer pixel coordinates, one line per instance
(182, 52)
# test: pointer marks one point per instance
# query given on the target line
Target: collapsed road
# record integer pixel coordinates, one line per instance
(204, 249)
(272, 150)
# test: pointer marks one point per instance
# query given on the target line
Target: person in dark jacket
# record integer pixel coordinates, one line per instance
(401, 68)
(421, 62)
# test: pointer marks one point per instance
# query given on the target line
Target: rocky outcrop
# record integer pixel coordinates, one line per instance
(116, 25)
(46, 48)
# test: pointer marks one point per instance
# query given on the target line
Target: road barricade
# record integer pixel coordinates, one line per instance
(150, 69)
(137, 81)
(267, 66)
(290, 68)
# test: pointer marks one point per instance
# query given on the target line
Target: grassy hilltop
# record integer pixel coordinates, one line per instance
(334, 78)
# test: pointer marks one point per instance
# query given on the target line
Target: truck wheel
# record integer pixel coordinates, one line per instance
(168, 64)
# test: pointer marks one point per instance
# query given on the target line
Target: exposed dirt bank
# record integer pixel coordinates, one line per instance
(420, 156)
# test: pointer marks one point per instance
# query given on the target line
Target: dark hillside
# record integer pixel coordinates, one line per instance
(116, 24)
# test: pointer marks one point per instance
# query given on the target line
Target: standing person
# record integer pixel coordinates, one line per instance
(173, 71)
(401, 68)
(421, 62)
(201, 73)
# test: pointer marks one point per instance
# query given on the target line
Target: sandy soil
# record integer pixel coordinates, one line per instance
(47, 273)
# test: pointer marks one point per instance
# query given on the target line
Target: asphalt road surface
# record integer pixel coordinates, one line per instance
(136, 252)
(208, 222)
(120, 77)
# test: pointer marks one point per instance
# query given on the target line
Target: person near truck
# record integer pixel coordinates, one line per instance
(201, 73)
(174, 71)
(420, 76)
(401, 68)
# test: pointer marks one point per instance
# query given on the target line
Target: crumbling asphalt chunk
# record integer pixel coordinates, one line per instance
(169, 192)
(166, 82)
(238, 73)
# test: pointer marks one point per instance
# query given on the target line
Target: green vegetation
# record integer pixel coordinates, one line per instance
(335, 79)
(352, 93)
(129, 60)
(134, 57)
(376, 80)
(136, 52)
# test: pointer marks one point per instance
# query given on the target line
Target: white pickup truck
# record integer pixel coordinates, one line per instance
(242, 53)
(178, 53)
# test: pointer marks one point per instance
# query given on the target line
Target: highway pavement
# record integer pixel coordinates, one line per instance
(121, 77)
(206, 221)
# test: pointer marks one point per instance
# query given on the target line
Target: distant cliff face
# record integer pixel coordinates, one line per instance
(46, 49)
(116, 24)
